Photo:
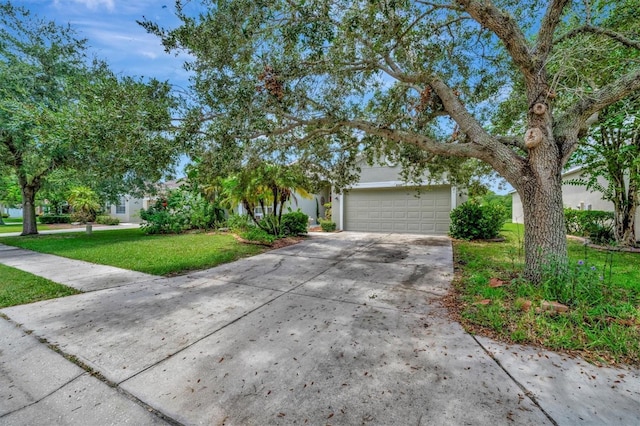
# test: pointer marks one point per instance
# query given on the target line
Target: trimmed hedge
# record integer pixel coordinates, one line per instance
(471, 221)
(294, 223)
(107, 220)
(327, 225)
(48, 219)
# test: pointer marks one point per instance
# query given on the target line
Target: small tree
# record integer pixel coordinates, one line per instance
(59, 110)
(611, 152)
(85, 204)
(268, 186)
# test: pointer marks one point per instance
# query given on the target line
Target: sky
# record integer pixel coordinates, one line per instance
(114, 36)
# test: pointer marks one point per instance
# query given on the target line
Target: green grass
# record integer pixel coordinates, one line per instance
(18, 287)
(9, 227)
(132, 249)
(601, 289)
(12, 220)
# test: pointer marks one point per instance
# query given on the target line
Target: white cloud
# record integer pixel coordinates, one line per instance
(92, 4)
(150, 55)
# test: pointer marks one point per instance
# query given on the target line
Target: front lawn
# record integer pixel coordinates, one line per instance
(12, 220)
(132, 249)
(12, 227)
(600, 288)
(18, 287)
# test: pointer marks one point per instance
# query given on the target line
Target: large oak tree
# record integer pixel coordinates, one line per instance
(61, 110)
(417, 80)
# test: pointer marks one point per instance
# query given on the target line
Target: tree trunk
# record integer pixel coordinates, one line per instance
(1, 213)
(29, 226)
(625, 224)
(545, 239)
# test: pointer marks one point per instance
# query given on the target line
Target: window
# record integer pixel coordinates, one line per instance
(120, 207)
(260, 214)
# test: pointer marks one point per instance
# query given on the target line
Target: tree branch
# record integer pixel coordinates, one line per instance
(421, 141)
(572, 122)
(548, 27)
(622, 39)
(512, 141)
(506, 28)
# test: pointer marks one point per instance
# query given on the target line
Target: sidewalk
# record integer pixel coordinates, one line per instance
(339, 329)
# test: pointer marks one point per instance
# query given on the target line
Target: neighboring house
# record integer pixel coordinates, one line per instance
(127, 208)
(382, 202)
(576, 197)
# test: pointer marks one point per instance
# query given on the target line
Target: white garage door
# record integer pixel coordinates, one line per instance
(398, 210)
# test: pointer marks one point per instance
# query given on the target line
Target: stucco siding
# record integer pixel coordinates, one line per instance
(312, 207)
(378, 173)
(131, 212)
(575, 197)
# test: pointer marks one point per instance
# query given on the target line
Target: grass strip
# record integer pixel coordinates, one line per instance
(4, 229)
(132, 249)
(600, 288)
(18, 287)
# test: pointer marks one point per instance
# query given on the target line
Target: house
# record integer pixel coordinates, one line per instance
(127, 208)
(576, 197)
(382, 202)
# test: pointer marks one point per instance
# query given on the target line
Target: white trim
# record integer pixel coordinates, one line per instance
(341, 201)
(454, 198)
(392, 184)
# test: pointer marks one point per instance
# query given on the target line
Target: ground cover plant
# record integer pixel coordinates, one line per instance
(600, 289)
(132, 249)
(18, 287)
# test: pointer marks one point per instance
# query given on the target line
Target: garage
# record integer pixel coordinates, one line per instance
(400, 210)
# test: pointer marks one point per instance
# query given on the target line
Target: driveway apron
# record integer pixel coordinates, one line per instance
(344, 328)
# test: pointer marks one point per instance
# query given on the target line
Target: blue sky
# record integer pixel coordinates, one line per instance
(113, 34)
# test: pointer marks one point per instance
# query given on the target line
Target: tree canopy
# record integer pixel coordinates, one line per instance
(413, 80)
(61, 109)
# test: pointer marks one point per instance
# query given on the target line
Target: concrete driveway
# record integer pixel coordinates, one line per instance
(342, 328)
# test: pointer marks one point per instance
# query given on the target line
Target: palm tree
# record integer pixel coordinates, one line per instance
(265, 185)
(84, 202)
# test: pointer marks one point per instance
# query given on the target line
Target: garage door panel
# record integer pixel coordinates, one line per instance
(397, 210)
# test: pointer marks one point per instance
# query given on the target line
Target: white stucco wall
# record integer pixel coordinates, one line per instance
(575, 197)
(132, 210)
(312, 207)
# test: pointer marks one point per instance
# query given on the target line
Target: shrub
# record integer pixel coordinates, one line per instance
(270, 224)
(327, 211)
(595, 224)
(162, 218)
(239, 222)
(294, 223)
(327, 225)
(199, 212)
(82, 216)
(5, 215)
(107, 220)
(48, 219)
(258, 235)
(471, 221)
